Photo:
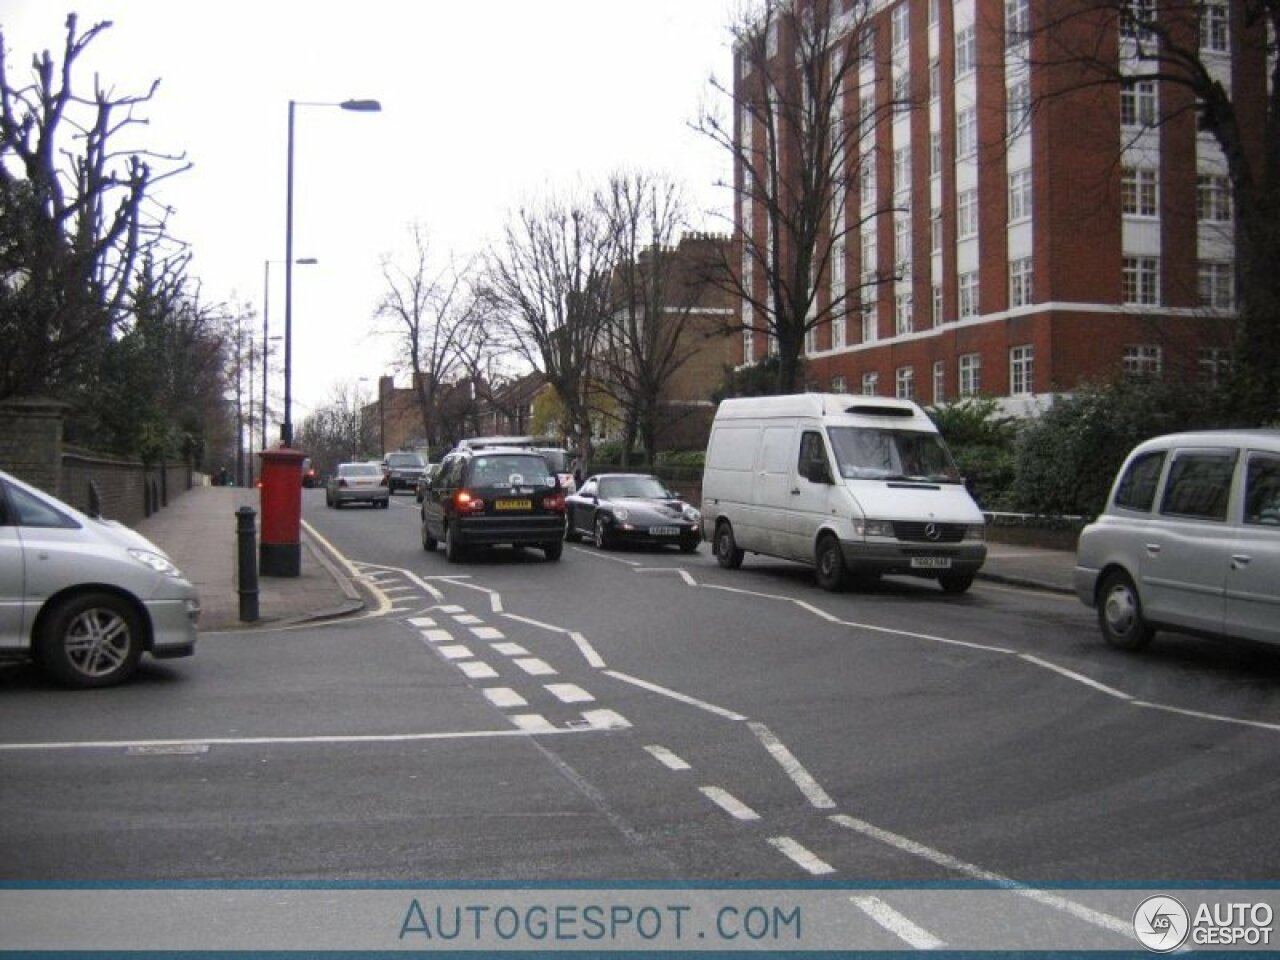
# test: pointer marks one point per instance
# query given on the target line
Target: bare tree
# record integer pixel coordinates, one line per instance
(801, 133)
(657, 289)
(548, 282)
(1216, 68)
(78, 207)
(435, 314)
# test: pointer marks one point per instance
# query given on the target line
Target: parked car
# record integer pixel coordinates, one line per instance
(309, 475)
(1189, 540)
(83, 596)
(357, 483)
(856, 486)
(614, 508)
(493, 495)
(404, 470)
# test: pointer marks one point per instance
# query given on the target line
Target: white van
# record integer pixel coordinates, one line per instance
(857, 486)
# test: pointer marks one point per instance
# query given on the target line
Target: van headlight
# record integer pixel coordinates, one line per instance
(873, 528)
(161, 565)
(976, 531)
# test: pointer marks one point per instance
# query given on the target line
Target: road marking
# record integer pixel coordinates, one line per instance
(477, 670)
(437, 636)
(680, 697)
(1261, 725)
(504, 698)
(467, 618)
(729, 803)
(801, 777)
(800, 856)
(487, 633)
(668, 759)
(509, 649)
(533, 723)
(890, 919)
(456, 651)
(1078, 677)
(606, 720)
(602, 555)
(684, 574)
(1077, 910)
(452, 608)
(422, 622)
(535, 623)
(535, 667)
(569, 693)
(588, 651)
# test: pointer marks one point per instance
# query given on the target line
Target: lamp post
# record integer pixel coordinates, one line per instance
(266, 338)
(360, 106)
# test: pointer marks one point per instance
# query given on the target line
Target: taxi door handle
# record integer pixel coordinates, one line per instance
(1239, 560)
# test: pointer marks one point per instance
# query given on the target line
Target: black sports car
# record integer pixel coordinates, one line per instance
(633, 507)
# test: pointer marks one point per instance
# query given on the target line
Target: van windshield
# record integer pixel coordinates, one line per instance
(871, 453)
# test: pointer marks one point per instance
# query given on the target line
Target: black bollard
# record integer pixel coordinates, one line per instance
(247, 567)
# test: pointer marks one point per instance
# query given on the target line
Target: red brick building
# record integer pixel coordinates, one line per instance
(1034, 235)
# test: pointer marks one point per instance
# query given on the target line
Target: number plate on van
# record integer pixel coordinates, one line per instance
(930, 563)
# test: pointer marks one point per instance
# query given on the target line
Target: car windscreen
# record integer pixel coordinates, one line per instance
(648, 488)
(511, 470)
(405, 460)
(874, 453)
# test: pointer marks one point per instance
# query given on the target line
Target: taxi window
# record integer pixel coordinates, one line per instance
(1137, 488)
(1262, 490)
(1199, 484)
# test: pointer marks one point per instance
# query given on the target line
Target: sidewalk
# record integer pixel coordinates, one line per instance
(198, 530)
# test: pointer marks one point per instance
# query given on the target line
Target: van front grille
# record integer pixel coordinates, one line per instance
(928, 532)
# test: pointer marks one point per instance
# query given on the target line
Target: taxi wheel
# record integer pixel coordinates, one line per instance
(1120, 613)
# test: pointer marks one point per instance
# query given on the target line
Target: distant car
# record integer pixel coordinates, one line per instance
(309, 476)
(1189, 540)
(83, 596)
(613, 508)
(404, 470)
(357, 483)
(493, 495)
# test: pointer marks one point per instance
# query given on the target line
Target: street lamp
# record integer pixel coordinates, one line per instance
(266, 339)
(360, 106)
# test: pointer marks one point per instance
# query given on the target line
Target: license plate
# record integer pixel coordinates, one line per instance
(513, 505)
(664, 531)
(931, 563)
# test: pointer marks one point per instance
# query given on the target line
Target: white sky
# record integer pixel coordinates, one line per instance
(484, 106)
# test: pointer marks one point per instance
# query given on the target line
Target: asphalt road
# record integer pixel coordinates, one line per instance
(643, 715)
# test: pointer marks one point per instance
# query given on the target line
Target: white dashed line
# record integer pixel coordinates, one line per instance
(588, 651)
(467, 618)
(487, 633)
(801, 857)
(606, 720)
(437, 636)
(890, 919)
(510, 649)
(455, 651)
(729, 803)
(801, 777)
(668, 759)
(535, 667)
(477, 670)
(533, 723)
(421, 622)
(569, 693)
(504, 698)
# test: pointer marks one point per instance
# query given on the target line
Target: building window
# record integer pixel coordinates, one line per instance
(1138, 103)
(867, 181)
(811, 341)
(1141, 283)
(902, 169)
(1215, 364)
(968, 294)
(1143, 361)
(966, 51)
(966, 133)
(935, 230)
(1139, 191)
(838, 335)
(933, 13)
(935, 79)
(967, 214)
(870, 384)
(748, 339)
(935, 153)
(1137, 17)
(1019, 195)
(869, 332)
(902, 313)
(1213, 198)
(970, 375)
(939, 382)
(1021, 371)
(838, 253)
(901, 24)
(1017, 22)
(838, 385)
(1020, 282)
(937, 304)
(901, 91)
(870, 253)
(1018, 106)
(1217, 284)
(902, 243)
(1215, 33)
(905, 383)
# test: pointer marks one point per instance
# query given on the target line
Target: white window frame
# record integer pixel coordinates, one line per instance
(871, 384)
(1141, 281)
(970, 367)
(968, 286)
(1140, 192)
(967, 214)
(1022, 370)
(967, 133)
(1020, 282)
(904, 385)
(1020, 195)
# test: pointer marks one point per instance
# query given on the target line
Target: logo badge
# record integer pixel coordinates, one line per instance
(931, 531)
(1161, 924)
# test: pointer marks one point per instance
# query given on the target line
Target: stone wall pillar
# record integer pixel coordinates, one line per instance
(31, 441)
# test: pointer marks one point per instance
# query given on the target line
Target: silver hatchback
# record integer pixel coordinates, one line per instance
(1189, 540)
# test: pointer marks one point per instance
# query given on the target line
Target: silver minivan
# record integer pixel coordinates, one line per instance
(1189, 540)
(83, 596)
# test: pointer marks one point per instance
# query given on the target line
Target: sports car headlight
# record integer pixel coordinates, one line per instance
(692, 515)
(159, 564)
(620, 513)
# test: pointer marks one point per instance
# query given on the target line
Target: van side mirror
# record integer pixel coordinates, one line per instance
(816, 472)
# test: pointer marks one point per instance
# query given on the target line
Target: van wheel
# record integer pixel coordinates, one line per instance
(956, 582)
(830, 564)
(90, 640)
(726, 548)
(1120, 613)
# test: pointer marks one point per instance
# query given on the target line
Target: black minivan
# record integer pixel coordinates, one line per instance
(491, 496)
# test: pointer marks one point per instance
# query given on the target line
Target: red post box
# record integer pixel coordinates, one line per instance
(280, 547)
